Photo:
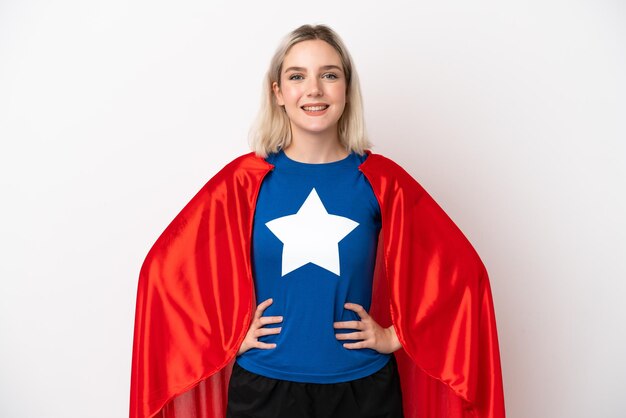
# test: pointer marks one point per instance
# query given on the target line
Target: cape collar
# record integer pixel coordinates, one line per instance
(260, 162)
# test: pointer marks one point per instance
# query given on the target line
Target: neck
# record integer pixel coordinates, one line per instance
(316, 150)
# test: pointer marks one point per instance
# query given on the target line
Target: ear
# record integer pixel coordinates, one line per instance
(278, 94)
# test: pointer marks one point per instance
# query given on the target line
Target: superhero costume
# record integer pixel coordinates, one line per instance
(314, 241)
(196, 299)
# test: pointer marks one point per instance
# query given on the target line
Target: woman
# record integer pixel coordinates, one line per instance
(296, 224)
(311, 264)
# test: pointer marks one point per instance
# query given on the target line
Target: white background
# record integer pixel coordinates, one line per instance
(114, 113)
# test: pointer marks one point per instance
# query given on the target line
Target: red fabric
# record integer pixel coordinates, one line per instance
(196, 296)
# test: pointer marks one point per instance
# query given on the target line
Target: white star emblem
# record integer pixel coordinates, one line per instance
(311, 235)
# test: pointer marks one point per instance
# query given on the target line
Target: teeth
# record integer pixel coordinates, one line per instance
(314, 108)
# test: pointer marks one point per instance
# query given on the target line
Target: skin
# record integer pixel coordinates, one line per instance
(318, 79)
(312, 73)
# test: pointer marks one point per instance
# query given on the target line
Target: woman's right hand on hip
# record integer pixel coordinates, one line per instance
(257, 329)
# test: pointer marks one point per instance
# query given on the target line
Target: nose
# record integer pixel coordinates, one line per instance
(315, 89)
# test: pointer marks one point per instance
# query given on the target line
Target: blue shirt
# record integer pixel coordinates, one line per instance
(314, 243)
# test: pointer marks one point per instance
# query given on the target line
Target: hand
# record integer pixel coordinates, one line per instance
(383, 340)
(256, 329)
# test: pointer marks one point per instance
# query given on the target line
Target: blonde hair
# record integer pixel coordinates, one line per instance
(272, 131)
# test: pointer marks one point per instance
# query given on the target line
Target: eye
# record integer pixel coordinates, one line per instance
(331, 76)
(295, 77)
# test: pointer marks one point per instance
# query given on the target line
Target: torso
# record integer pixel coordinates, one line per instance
(313, 249)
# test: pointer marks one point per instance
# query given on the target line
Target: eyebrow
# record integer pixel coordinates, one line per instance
(302, 69)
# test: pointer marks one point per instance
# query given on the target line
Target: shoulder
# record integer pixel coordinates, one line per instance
(378, 165)
(248, 163)
(381, 161)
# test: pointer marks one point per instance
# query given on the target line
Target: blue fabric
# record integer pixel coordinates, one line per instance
(310, 295)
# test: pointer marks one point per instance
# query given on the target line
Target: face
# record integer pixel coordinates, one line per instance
(313, 88)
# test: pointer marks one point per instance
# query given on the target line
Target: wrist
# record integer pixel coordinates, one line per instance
(393, 338)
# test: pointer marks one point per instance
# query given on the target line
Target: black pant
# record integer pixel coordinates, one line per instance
(376, 396)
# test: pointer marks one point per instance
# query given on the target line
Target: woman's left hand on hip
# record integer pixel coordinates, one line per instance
(372, 335)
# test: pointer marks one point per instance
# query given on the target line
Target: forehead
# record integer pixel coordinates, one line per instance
(313, 53)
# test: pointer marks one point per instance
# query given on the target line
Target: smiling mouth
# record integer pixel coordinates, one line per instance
(314, 108)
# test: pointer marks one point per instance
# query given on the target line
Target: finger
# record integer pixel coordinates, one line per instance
(264, 346)
(262, 306)
(270, 319)
(349, 325)
(266, 331)
(357, 345)
(351, 336)
(357, 308)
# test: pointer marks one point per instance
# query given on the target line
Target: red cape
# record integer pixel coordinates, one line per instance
(196, 298)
